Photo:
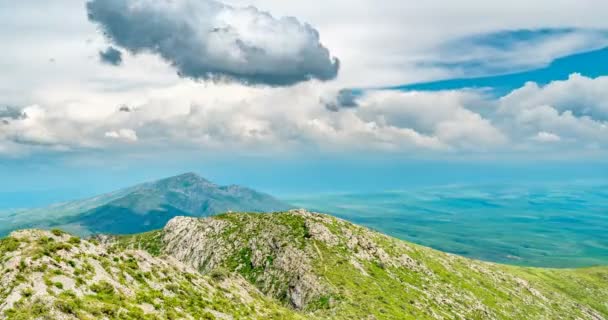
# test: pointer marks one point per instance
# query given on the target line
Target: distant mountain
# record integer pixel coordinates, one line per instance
(143, 207)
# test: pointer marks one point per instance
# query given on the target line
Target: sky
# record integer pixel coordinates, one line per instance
(298, 96)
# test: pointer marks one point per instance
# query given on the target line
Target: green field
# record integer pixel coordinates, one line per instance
(555, 226)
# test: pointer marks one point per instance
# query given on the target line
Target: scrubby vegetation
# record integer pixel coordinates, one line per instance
(51, 275)
(328, 268)
(288, 265)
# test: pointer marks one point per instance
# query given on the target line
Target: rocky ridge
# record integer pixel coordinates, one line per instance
(324, 266)
(285, 265)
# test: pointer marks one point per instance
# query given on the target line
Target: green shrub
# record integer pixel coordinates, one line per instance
(102, 288)
(27, 292)
(66, 306)
(219, 274)
(9, 244)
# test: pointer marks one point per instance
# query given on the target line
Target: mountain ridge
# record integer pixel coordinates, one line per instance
(285, 265)
(143, 207)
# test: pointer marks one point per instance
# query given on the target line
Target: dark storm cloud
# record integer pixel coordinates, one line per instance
(204, 39)
(111, 56)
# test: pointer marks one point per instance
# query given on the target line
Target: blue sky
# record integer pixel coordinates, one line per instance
(106, 94)
(590, 64)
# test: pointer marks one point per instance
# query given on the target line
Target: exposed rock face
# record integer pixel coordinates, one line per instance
(264, 254)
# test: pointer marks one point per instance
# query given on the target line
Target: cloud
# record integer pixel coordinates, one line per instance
(234, 119)
(204, 39)
(448, 116)
(575, 110)
(127, 135)
(580, 95)
(345, 98)
(125, 108)
(28, 129)
(508, 51)
(11, 113)
(111, 56)
(546, 137)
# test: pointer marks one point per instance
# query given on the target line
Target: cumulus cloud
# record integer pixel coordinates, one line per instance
(580, 95)
(575, 110)
(205, 39)
(111, 56)
(28, 129)
(233, 118)
(122, 134)
(444, 115)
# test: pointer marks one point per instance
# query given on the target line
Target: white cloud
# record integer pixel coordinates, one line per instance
(573, 109)
(233, 118)
(508, 51)
(73, 101)
(546, 137)
(444, 115)
(127, 135)
(582, 96)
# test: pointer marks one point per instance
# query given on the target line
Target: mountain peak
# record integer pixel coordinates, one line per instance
(187, 176)
(147, 206)
(183, 181)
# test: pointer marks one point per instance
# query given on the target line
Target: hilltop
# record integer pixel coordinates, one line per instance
(285, 265)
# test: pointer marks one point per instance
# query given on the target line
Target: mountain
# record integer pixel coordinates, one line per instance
(287, 265)
(143, 207)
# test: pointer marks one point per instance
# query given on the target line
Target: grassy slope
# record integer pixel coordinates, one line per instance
(362, 273)
(588, 286)
(339, 271)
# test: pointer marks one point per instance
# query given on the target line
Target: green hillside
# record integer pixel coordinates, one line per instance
(286, 265)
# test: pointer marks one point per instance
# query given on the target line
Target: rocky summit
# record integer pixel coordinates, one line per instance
(286, 265)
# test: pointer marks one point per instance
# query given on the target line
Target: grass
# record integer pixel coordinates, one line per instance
(364, 275)
(8, 244)
(148, 241)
